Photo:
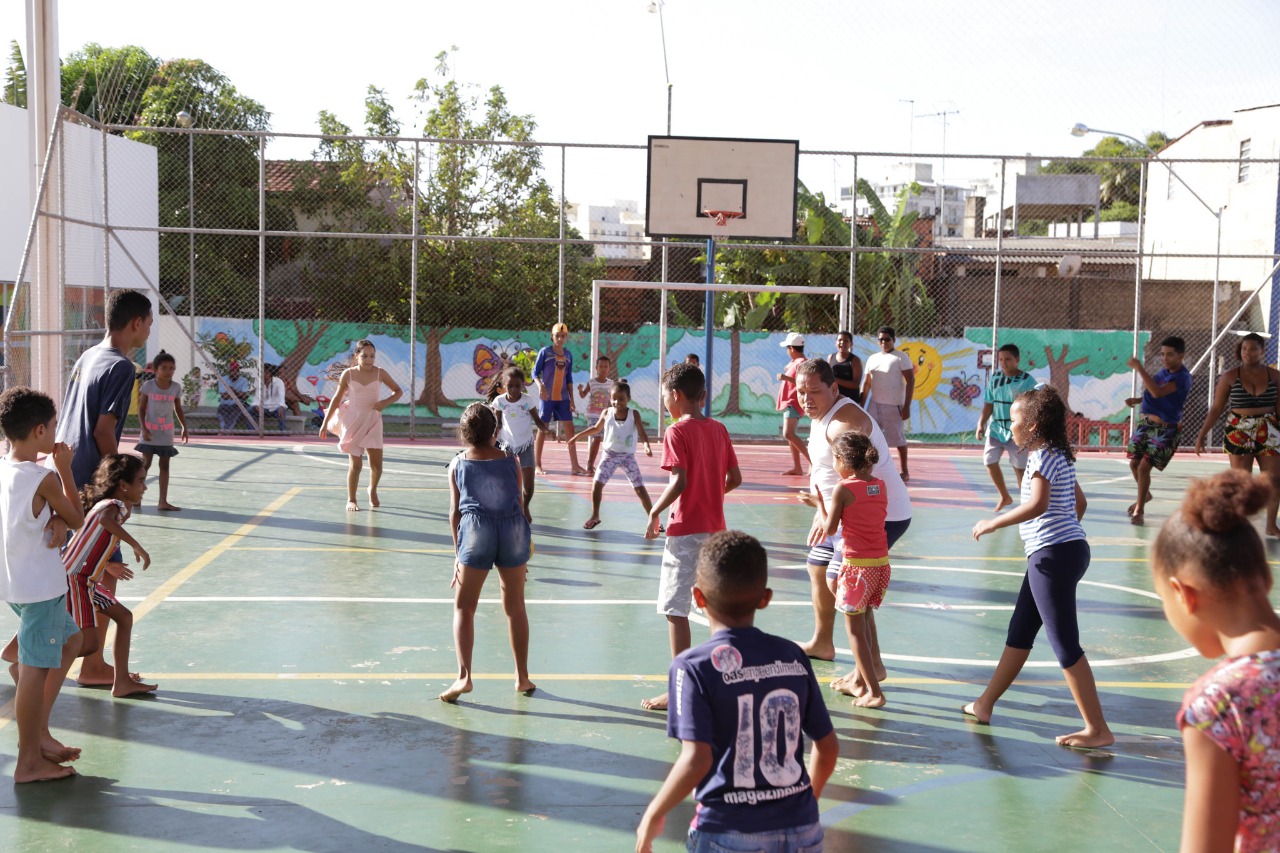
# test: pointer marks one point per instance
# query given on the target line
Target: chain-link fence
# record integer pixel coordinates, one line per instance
(456, 256)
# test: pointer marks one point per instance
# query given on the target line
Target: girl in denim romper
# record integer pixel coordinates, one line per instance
(490, 524)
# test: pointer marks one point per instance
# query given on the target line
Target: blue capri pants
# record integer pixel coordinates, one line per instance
(1048, 597)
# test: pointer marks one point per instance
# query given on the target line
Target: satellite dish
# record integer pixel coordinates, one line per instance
(1069, 266)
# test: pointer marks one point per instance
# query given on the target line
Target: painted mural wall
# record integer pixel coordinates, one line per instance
(453, 367)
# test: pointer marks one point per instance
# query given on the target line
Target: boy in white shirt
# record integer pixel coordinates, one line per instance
(32, 578)
(890, 378)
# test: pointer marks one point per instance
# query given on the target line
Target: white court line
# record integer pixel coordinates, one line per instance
(301, 450)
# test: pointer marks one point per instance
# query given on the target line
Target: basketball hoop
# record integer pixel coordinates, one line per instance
(722, 217)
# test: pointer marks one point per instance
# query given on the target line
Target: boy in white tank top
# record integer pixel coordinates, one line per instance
(32, 578)
(621, 427)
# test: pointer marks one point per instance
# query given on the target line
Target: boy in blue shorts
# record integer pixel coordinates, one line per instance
(993, 424)
(731, 699)
(697, 452)
(1156, 438)
(32, 578)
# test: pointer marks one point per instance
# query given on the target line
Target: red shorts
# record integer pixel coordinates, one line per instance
(860, 587)
(84, 597)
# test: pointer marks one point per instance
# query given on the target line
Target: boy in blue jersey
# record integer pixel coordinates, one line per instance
(738, 704)
(1156, 438)
(993, 424)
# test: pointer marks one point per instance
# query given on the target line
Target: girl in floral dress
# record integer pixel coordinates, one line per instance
(1211, 572)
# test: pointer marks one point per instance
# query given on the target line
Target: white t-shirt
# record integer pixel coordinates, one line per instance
(273, 395)
(885, 370)
(517, 421)
(822, 473)
(31, 570)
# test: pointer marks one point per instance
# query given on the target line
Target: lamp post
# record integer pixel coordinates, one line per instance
(655, 8)
(185, 120)
(1081, 130)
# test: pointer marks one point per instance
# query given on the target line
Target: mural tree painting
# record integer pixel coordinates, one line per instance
(1082, 353)
(308, 341)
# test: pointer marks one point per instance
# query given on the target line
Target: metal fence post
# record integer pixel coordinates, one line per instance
(262, 277)
(413, 296)
(995, 294)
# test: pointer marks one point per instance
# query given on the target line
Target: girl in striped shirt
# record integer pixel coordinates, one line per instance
(1057, 556)
(117, 487)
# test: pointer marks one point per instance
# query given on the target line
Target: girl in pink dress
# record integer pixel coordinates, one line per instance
(1212, 575)
(357, 407)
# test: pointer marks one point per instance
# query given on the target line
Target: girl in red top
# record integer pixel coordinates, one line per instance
(860, 504)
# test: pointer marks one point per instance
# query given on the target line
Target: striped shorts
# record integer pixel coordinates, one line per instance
(84, 597)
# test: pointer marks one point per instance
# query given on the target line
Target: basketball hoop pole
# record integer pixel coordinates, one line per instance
(710, 319)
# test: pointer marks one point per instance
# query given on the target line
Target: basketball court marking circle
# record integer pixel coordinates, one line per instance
(1127, 661)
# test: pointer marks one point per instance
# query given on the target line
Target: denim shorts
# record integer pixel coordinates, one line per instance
(44, 629)
(485, 542)
(555, 410)
(524, 454)
(799, 839)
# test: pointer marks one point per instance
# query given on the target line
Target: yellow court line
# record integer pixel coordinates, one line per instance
(167, 588)
(380, 489)
(590, 676)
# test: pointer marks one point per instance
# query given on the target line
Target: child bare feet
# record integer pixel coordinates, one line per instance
(1087, 738)
(817, 651)
(462, 685)
(870, 700)
(1138, 519)
(131, 686)
(526, 687)
(373, 498)
(165, 506)
(42, 770)
(54, 750)
(352, 506)
(1004, 501)
(104, 677)
(794, 472)
(657, 703)
(542, 472)
(981, 715)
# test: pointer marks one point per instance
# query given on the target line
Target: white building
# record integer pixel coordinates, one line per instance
(943, 202)
(1245, 190)
(1071, 204)
(621, 221)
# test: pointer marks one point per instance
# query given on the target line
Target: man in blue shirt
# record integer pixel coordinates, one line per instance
(1003, 388)
(738, 704)
(1156, 438)
(234, 386)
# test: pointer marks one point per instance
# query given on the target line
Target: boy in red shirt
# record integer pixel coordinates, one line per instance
(697, 452)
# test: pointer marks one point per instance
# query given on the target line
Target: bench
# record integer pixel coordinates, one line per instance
(204, 421)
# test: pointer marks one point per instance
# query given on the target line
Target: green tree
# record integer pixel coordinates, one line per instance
(889, 289)
(15, 78)
(108, 83)
(1120, 181)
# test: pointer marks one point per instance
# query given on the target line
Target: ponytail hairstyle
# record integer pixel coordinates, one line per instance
(163, 357)
(1212, 532)
(855, 451)
(114, 469)
(1045, 411)
(477, 425)
(361, 344)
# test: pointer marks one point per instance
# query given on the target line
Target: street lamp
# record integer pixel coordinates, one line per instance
(1081, 129)
(655, 8)
(185, 120)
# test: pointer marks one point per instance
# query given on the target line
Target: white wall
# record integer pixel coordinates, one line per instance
(132, 200)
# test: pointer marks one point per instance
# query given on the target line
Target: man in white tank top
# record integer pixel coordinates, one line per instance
(833, 414)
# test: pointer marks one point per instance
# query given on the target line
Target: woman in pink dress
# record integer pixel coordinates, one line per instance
(357, 407)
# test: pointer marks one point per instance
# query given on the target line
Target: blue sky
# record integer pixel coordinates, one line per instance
(831, 73)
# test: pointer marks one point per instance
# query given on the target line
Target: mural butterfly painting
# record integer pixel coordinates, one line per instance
(964, 389)
(488, 362)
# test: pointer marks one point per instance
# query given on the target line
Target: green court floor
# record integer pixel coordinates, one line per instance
(299, 650)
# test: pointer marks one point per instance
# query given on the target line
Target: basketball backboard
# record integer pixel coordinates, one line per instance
(691, 175)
